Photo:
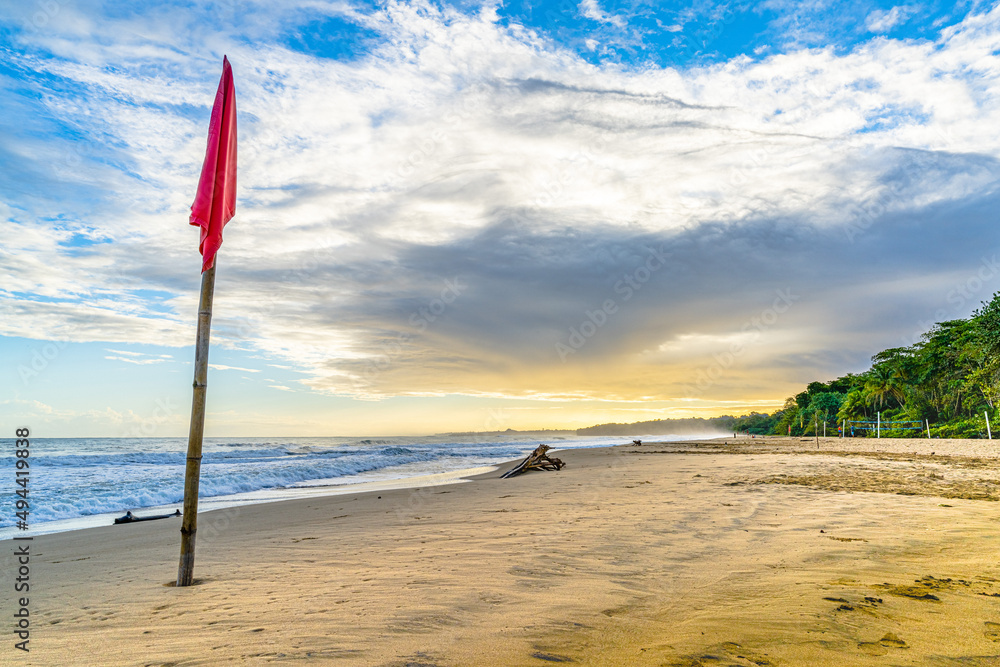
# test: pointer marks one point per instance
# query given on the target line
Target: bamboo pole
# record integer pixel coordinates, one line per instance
(192, 473)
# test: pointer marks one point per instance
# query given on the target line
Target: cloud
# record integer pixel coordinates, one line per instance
(881, 21)
(140, 354)
(132, 360)
(221, 367)
(438, 214)
(593, 11)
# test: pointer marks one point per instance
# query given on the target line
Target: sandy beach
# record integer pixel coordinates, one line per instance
(768, 551)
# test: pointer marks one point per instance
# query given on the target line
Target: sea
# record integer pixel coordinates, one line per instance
(78, 483)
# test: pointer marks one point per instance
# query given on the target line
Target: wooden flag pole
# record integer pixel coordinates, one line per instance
(192, 473)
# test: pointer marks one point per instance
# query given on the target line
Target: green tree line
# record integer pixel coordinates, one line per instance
(950, 378)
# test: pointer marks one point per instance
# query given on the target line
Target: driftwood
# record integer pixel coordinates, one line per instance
(536, 460)
(131, 518)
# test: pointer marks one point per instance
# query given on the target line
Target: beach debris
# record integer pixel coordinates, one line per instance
(637, 442)
(131, 518)
(536, 460)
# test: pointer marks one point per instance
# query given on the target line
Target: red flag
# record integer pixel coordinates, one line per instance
(215, 203)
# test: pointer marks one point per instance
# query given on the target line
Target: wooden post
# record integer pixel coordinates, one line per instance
(192, 473)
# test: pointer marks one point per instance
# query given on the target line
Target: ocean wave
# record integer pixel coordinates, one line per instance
(96, 476)
(85, 488)
(161, 458)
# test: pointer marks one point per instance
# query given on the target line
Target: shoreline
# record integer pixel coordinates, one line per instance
(250, 498)
(153, 499)
(648, 555)
(762, 444)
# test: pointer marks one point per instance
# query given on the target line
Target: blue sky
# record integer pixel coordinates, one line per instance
(478, 216)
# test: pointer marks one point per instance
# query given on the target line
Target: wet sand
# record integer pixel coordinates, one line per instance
(756, 552)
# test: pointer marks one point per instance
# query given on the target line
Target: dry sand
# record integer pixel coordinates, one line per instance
(766, 552)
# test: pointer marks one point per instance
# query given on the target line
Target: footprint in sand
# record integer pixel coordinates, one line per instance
(729, 654)
(882, 646)
(869, 604)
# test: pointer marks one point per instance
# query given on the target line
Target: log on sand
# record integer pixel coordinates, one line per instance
(131, 518)
(536, 460)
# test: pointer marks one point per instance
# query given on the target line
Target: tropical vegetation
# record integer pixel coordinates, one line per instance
(947, 383)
